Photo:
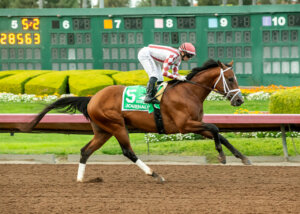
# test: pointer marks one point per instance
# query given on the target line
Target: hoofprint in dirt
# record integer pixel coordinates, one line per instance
(125, 189)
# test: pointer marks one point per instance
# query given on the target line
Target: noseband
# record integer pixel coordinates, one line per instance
(226, 89)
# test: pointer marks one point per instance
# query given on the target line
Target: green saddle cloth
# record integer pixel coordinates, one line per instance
(133, 100)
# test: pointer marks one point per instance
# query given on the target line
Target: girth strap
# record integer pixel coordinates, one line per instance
(158, 120)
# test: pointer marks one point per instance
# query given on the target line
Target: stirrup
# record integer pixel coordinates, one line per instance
(148, 99)
(155, 101)
(152, 100)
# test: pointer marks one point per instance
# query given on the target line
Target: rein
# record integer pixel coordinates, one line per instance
(206, 87)
(226, 89)
(191, 82)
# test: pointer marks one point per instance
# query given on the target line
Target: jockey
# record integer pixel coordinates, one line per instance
(153, 57)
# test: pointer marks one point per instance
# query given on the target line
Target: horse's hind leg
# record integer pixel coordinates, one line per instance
(123, 139)
(100, 137)
(234, 151)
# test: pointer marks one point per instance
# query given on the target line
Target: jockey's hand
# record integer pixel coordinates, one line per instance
(181, 78)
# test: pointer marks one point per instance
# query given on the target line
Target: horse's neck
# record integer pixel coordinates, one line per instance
(205, 79)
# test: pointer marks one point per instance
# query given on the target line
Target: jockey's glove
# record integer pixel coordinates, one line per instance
(181, 78)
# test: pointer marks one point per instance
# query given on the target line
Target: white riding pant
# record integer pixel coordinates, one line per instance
(152, 68)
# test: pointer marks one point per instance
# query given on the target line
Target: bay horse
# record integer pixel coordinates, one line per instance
(181, 109)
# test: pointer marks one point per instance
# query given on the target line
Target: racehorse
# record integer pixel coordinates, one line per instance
(181, 109)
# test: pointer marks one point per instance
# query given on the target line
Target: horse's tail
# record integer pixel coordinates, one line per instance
(66, 104)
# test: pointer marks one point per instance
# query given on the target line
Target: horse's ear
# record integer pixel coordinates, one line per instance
(230, 63)
(221, 65)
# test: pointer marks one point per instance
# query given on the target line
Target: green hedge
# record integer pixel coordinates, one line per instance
(137, 77)
(88, 83)
(101, 71)
(49, 83)
(82, 83)
(4, 74)
(184, 72)
(57, 82)
(15, 83)
(285, 102)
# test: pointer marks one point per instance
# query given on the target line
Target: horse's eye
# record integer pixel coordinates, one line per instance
(231, 79)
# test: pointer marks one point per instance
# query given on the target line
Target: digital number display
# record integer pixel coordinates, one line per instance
(71, 38)
(186, 23)
(133, 23)
(294, 20)
(240, 21)
(30, 23)
(55, 24)
(81, 24)
(20, 39)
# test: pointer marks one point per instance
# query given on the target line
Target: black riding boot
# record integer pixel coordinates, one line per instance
(151, 91)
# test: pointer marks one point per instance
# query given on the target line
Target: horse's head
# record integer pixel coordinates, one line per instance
(227, 83)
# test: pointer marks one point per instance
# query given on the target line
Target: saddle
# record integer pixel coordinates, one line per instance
(160, 90)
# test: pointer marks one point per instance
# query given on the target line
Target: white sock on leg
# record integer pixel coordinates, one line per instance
(144, 167)
(81, 170)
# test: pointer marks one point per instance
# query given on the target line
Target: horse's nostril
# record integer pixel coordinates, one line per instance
(239, 101)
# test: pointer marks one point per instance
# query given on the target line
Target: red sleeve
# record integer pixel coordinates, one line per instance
(166, 66)
(175, 69)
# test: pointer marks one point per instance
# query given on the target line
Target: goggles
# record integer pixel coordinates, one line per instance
(189, 55)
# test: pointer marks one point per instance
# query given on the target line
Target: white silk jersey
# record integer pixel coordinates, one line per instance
(158, 59)
(167, 57)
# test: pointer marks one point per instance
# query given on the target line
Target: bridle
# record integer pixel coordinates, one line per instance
(226, 89)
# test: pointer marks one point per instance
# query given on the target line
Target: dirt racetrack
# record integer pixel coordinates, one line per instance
(126, 189)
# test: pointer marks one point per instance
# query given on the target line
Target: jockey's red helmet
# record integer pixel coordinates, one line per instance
(188, 48)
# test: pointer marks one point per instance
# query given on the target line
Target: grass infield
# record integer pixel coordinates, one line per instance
(62, 144)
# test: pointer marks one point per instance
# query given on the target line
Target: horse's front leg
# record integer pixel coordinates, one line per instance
(210, 131)
(234, 151)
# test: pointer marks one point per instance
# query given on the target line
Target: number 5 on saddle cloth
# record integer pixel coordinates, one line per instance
(133, 100)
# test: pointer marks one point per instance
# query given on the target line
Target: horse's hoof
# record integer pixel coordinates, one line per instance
(222, 159)
(246, 161)
(158, 178)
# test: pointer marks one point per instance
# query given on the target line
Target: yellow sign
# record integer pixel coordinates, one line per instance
(108, 24)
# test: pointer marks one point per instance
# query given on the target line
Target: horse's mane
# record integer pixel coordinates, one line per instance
(206, 65)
